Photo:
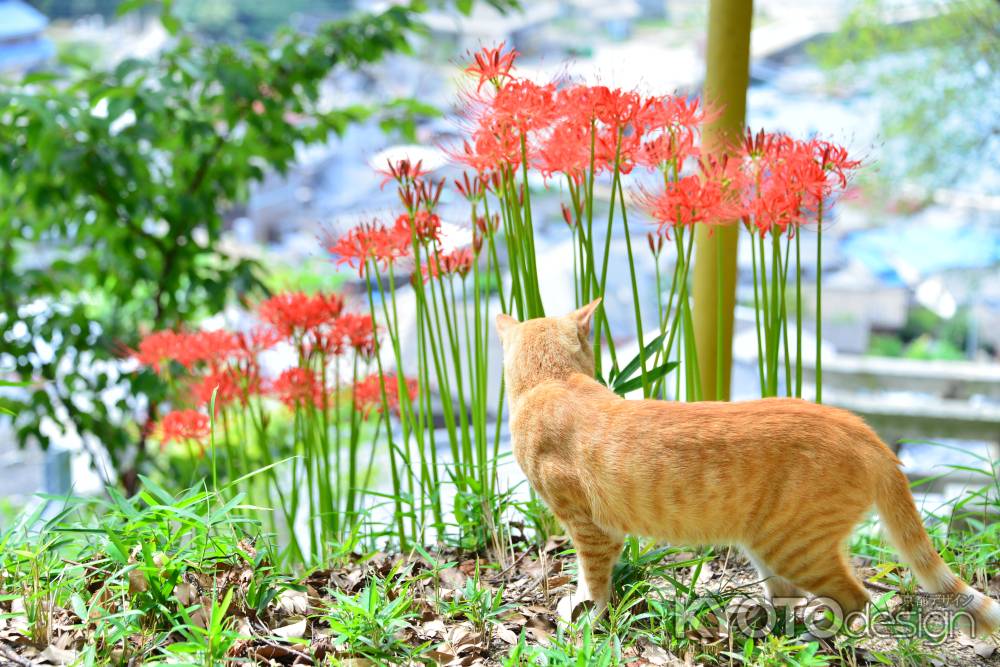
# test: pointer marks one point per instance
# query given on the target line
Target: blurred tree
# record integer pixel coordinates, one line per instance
(74, 9)
(111, 187)
(236, 20)
(934, 67)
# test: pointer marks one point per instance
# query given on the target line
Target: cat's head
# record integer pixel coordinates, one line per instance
(547, 347)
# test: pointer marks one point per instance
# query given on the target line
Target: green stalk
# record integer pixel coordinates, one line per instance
(756, 312)
(784, 318)
(407, 421)
(601, 316)
(775, 338)
(444, 381)
(589, 207)
(394, 472)
(798, 316)
(684, 262)
(719, 343)
(352, 444)
(819, 304)
(530, 231)
(635, 293)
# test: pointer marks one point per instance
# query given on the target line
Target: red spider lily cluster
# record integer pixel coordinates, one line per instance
(368, 392)
(377, 246)
(316, 327)
(373, 246)
(771, 181)
(457, 262)
(568, 130)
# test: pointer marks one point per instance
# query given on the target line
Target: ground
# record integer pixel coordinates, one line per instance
(454, 608)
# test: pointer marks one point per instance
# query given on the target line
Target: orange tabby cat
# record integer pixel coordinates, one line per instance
(785, 479)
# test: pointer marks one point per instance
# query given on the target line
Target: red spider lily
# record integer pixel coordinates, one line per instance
(568, 216)
(234, 385)
(293, 314)
(426, 226)
(186, 348)
(473, 189)
(328, 342)
(655, 242)
(214, 347)
(488, 225)
(708, 197)
(789, 179)
(835, 162)
(458, 262)
(616, 107)
(183, 426)
(160, 347)
(614, 148)
(402, 171)
(675, 114)
(667, 149)
(525, 105)
(494, 145)
(298, 387)
(492, 65)
(370, 241)
(249, 344)
(368, 393)
(358, 331)
(566, 150)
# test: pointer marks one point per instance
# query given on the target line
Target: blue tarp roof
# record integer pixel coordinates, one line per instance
(926, 244)
(18, 19)
(25, 54)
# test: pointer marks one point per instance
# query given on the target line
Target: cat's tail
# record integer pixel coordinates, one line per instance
(906, 532)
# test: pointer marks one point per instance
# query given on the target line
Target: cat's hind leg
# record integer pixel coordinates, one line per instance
(596, 551)
(818, 564)
(776, 587)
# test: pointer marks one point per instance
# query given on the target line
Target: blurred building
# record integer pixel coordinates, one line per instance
(23, 44)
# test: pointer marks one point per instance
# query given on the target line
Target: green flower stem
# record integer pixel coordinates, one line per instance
(681, 267)
(819, 304)
(798, 317)
(529, 231)
(719, 300)
(775, 333)
(394, 472)
(444, 383)
(601, 314)
(784, 317)
(451, 326)
(637, 308)
(756, 311)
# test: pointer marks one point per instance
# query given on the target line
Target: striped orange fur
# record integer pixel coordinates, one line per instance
(785, 479)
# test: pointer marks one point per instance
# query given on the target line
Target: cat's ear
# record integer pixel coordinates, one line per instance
(504, 323)
(583, 316)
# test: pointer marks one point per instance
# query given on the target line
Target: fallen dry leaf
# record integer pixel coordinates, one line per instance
(54, 655)
(296, 630)
(506, 634)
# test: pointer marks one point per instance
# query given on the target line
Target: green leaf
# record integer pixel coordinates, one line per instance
(632, 366)
(170, 21)
(130, 6)
(653, 375)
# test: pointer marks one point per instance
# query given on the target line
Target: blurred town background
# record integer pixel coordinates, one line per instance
(912, 258)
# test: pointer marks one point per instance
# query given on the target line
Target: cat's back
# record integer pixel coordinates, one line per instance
(551, 411)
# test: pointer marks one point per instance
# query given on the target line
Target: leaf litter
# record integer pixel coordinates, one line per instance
(528, 598)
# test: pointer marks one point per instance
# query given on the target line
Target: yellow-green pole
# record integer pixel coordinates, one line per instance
(726, 78)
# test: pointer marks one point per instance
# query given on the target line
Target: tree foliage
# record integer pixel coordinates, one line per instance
(935, 68)
(112, 185)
